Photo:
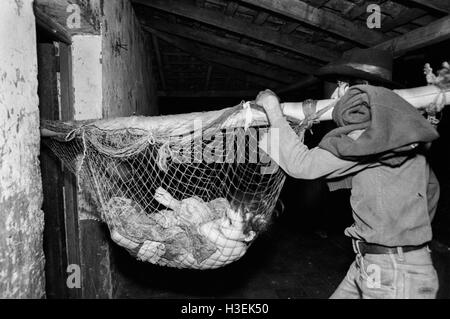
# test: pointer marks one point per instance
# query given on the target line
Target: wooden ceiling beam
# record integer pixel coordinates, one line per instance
(231, 8)
(421, 37)
(434, 32)
(208, 77)
(159, 61)
(306, 82)
(289, 27)
(319, 3)
(208, 93)
(57, 10)
(318, 18)
(437, 5)
(404, 18)
(272, 78)
(229, 45)
(200, 3)
(52, 26)
(239, 26)
(221, 57)
(359, 8)
(260, 18)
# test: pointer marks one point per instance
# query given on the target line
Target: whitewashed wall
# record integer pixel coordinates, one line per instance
(107, 81)
(21, 218)
(87, 76)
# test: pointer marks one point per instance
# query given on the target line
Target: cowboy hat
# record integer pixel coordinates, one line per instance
(372, 65)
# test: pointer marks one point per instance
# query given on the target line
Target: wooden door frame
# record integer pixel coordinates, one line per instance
(68, 240)
(61, 229)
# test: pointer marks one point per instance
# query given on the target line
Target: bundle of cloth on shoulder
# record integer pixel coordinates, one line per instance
(190, 233)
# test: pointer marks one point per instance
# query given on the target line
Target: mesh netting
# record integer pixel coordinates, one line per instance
(196, 200)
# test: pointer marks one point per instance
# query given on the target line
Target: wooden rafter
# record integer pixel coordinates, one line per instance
(403, 18)
(360, 8)
(326, 21)
(208, 77)
(57, 9)
(438, 5)
(239, 26)
(208, 93)
(434, 32)
(221, 57)
(229, 45)
(200, 3)
(159, 61)
(418, 38)
(289, 27)
(306, 82)
(52, 26)
(231, 8)
(266, 77)
(319, 3)
(260, 18)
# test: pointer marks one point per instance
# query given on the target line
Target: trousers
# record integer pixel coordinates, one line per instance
(405, 275)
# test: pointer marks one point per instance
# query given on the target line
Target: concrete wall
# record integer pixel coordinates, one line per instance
(128, 84)
(21, 218)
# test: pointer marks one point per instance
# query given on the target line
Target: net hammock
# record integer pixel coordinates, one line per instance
(174, 194)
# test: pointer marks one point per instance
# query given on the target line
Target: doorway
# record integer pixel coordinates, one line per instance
(61, 242)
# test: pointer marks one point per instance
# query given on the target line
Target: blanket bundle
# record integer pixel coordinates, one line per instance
(392, 128)
(391, 125)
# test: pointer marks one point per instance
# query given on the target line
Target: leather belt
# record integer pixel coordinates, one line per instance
(366, 248)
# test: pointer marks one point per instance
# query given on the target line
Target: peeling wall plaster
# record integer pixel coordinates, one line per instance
(112, 76)
(21, 218)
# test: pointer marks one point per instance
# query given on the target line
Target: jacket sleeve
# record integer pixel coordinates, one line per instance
(283, 145)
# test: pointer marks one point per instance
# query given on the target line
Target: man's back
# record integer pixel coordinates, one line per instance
(390, 204)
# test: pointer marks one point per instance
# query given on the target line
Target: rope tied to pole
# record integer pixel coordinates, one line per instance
(442, 82)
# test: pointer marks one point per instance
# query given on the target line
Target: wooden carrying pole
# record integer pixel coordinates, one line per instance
(420, 98)
(179, 124)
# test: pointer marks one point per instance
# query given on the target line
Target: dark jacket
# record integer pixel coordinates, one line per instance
(392, 127)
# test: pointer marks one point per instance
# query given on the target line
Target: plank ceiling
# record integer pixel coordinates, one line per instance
(204, 48)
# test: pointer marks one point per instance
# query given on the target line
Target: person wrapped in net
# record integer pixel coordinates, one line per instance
(190, 233)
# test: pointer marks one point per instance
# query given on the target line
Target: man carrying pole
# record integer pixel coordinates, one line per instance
(379, 151)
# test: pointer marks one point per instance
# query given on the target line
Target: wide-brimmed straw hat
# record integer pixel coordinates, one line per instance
(372, 65)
